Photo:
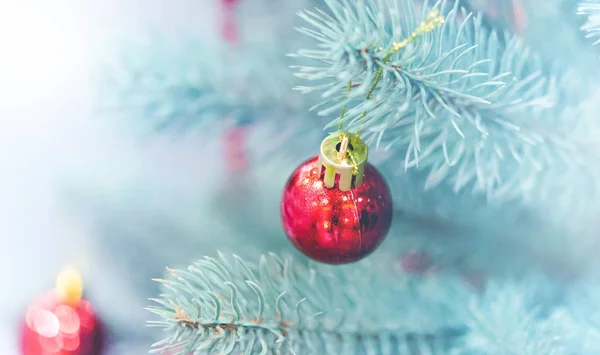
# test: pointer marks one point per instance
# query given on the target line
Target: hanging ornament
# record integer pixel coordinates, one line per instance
(336, 207)
(236, 196)
(234, 139)
(228, 24)
(60, 322)
(234, 142)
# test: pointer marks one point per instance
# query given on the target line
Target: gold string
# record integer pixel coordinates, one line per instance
(431, 21)
(348, 88)
(343, 136)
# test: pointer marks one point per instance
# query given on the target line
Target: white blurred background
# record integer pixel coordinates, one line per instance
(50, 135)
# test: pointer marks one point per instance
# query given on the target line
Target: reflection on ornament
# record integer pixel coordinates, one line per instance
(61, 323)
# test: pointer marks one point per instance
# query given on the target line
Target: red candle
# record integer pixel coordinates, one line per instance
(61, 322)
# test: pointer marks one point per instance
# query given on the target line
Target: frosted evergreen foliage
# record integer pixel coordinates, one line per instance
(507, 319)
(455, 98)
(185, 85)
(281, 306)
(592, 26)
(227, 305)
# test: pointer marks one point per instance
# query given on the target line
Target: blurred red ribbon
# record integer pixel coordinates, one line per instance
(229, 29)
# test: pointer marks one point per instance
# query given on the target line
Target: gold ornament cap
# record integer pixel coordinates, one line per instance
(344, 155)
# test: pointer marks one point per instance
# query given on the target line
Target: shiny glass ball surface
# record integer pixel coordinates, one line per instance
(332, 226)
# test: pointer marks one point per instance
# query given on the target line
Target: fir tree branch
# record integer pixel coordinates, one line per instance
(578, 319)
(592, 26)
(457, 96)
(293, 308)
(182, 86)
(510, 317)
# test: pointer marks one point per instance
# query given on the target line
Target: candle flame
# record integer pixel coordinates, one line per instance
(69, 286)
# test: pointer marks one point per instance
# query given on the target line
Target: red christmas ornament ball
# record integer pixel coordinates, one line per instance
(334, 226)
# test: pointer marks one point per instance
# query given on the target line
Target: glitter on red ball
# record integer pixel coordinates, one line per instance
(54, 328)
(332, 226)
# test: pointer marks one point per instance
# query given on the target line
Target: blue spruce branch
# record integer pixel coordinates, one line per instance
(223, 305)
(288, 307)
(178, 87)
(456, 96)
(575, 322)
(509, 317)
(592, 26)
